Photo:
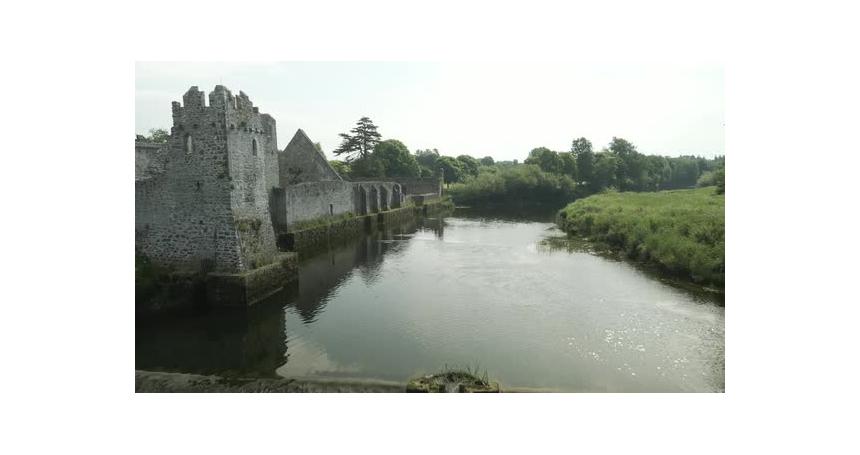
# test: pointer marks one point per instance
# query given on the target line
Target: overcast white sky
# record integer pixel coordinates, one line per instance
(497, 109)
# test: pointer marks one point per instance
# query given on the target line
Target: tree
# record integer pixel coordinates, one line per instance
(605, 171)
(581, 150)
(487, 161)
(469, 165)
(366, 167)
(659, 172)
(427, 162)
(685, 172)
(158, 135)
(629, 169)
(546, 159)
(706, 179)
(395, 159)
(451, 169)
(360, 144)
(341, 167)
(720, 179)
(568, 165)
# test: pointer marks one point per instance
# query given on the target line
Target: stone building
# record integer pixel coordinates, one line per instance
(216, 195)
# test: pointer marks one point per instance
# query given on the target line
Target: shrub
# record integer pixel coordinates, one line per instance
(514, 184)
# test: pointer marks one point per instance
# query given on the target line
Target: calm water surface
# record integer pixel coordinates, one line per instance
(467, 290)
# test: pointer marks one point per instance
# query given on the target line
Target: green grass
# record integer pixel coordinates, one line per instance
(321, 221)
(681, 231)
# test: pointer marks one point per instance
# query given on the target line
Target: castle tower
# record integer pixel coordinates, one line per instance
(209, 208)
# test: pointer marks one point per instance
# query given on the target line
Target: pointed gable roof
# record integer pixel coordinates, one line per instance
(301, 151)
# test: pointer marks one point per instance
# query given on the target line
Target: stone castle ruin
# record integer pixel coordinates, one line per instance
(215, 197)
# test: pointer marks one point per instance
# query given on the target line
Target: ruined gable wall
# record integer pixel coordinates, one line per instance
(301, 162)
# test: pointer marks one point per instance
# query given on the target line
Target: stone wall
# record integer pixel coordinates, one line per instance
(409, 185)
(208, 207)
(210, 198)
(421, 185)
(376, 196)
(308, 201)
(148, 159)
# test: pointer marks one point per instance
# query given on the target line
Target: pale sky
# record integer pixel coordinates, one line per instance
(498, 109)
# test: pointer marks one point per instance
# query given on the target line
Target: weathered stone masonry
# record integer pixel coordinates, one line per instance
(215, 196)
(207, 207)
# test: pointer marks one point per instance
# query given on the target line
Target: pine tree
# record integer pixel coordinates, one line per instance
(359, 144)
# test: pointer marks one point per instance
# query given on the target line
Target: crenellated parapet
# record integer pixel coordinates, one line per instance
(209, 207)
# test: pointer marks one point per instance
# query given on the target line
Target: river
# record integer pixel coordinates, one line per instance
(503, 295)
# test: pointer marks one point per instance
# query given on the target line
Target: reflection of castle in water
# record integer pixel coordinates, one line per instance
(253, 341)
(226, 341)
(321, 275)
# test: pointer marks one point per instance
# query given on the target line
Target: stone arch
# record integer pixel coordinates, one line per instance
(374, 199)
(383, 198)
(254, 147)
(189, 144)
(396, 196)
(360, 200)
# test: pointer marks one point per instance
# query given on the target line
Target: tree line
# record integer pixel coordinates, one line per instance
(618, 166)
(581, 170)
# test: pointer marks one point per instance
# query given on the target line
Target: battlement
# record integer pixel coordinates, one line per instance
(221, 99)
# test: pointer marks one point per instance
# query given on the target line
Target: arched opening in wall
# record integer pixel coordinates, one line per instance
(396, 196)
(374, 199)
(254, 147)
(383, 198)
(331, 209)
(360, 200)
(189, 144)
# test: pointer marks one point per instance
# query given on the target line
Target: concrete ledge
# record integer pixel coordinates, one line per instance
(248, 288)
(158, 382)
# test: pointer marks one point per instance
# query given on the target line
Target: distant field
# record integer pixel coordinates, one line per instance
(682, 231)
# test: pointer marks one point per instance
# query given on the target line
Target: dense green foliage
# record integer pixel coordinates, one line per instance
(361, 142)
(617, 167)
(394, 159)
(451, 168)
(681, 231)
(157, 135)
(469, 165)
(520, 184)
(341, 167)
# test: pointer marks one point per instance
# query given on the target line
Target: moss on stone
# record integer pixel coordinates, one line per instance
(321, 221)
(453, 381)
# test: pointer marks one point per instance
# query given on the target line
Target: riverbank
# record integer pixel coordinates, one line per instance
(680, 231)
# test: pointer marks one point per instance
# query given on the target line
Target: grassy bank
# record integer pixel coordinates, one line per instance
(682, 231)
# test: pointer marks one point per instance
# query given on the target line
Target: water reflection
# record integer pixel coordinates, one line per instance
(226, 341)
(323, 273)
(475, 288)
